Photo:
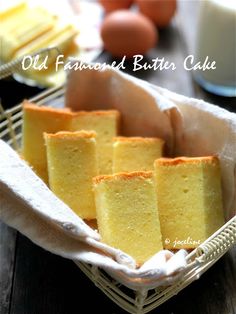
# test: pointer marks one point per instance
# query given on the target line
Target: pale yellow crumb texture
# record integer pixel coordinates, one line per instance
(127, 214)
(36, 121)
(135, 153)
(106, 125)
(72, 163)
(189, 200)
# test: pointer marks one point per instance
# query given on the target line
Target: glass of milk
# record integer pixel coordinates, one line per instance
(216, 38)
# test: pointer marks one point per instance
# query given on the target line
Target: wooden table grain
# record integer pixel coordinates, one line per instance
(33, 281)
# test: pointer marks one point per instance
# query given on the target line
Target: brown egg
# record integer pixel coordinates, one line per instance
(112, 5)
(159, 11)
(128, 33)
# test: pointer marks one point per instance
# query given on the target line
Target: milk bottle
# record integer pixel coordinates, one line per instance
(216, 38)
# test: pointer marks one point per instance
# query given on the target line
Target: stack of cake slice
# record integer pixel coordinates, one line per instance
(142, 201)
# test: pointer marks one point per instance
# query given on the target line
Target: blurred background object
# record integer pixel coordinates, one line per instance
(113, 5)
(216, 38)
(75, 27)
(30, 25)
(127, 33)
(159, 11)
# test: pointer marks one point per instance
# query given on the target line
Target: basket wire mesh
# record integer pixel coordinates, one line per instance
(141, 301)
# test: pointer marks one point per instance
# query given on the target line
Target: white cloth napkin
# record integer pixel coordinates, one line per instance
(189, 126)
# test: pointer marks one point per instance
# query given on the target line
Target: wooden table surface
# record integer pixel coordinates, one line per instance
(33, 281)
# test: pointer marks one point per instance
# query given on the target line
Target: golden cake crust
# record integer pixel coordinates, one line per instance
(123, 176)
(137, 139)
(31, 106)
(186, 160)
(97, 113)
(71, 135)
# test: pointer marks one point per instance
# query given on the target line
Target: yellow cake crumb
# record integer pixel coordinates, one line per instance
(135, 153)
(127, 213)
(189, 200)
(72, 163)
(106, 124)
(37, 120)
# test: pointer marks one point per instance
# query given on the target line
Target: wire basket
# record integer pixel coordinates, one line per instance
(141, 301)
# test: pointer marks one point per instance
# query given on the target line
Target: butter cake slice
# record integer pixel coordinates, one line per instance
(136, 153)
(127, 213)
(189, 200)
(72, 164)
(106, 124)
(37, 120)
